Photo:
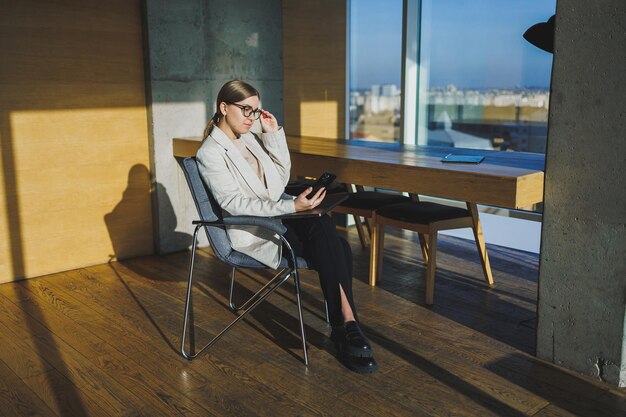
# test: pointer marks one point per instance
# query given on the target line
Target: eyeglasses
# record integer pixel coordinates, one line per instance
(248, 111)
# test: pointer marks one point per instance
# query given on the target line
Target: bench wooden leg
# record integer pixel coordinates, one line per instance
(381, 250)
(480, 243)
(368, 226)
(424, 245)
(431, 269)
(359, 229)
(376, 251)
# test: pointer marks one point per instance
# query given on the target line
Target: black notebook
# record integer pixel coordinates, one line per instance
(463, 159)
(329, 202)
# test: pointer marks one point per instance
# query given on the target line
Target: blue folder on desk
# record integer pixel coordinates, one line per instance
(463, 159)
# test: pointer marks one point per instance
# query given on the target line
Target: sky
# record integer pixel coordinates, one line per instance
(468, 43)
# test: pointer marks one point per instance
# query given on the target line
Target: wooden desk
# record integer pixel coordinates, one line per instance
(503, 179)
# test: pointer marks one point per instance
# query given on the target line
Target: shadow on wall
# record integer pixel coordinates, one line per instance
(127, 228)
(127, 234)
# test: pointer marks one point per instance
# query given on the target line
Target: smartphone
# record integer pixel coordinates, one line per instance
(324, 180)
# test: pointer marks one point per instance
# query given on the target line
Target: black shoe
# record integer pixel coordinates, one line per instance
(358, 364)
(350, 340)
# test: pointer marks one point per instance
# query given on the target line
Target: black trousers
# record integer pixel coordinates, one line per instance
(316, 240)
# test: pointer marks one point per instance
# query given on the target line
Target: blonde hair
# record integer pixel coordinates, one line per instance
(231, 92)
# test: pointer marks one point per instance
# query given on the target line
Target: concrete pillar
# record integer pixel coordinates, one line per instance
(193, 47)
(582, 279)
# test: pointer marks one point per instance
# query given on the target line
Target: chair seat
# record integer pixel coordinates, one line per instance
(422, 212)
(373, 200)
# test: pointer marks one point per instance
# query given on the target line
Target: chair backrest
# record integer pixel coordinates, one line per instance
(208, 209)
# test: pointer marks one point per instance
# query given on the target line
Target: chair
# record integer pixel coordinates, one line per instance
(363, 204)
(427, 219)
(214, 225)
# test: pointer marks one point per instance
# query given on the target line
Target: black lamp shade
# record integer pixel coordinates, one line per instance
(542, 35)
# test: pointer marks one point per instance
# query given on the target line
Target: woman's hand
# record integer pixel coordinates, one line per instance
(268, 122)
(303, 203)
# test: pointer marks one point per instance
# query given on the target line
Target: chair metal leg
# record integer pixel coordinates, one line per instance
(296, 280)
(326, 311)
(277, 284)
(188, 299)
(250, 300)
(268, 289)
(231, 305)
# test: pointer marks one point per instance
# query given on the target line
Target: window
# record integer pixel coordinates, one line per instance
(470, 78)
(481, 85)
(375, 67)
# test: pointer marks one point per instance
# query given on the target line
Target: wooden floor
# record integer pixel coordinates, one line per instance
(103, 341)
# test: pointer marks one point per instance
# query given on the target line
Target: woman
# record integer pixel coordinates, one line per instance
(247, 175)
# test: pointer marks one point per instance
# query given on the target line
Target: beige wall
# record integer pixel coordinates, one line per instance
(74, 179)
(314, 57)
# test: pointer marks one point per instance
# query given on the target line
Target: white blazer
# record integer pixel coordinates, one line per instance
(239, 191)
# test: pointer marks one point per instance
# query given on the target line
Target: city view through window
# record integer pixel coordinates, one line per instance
(482, 86)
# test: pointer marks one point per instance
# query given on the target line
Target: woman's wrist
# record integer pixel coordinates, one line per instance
(272, 131)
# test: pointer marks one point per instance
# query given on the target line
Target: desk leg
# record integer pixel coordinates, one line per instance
(480, 243)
